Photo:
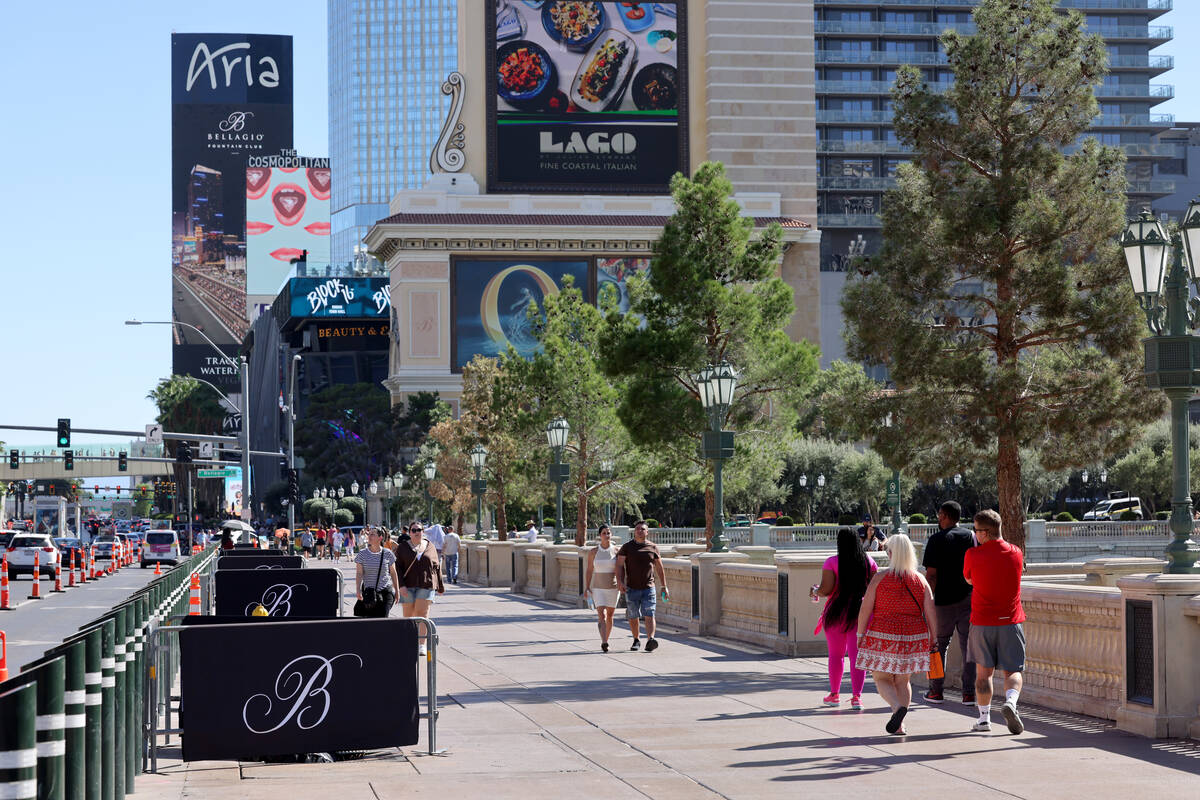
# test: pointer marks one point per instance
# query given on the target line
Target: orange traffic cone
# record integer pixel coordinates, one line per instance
(92, 565)
(36, 594)
(58, 576)
(3, 657)
(71, 572)
(194, 598)
(4, 606)
(158, 568)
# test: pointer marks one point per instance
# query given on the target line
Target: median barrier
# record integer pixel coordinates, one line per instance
(18, 742)
(48, 677)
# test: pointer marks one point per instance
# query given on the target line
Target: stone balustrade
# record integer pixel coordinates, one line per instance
(1077, 632)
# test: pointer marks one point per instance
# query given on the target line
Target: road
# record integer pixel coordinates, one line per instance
(35, 625)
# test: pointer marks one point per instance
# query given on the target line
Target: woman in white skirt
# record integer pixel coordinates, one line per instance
(601, 581)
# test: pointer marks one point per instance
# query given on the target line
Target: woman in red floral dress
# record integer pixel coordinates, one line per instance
(894, 637)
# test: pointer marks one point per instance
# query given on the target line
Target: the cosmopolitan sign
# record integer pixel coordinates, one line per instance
(340, 297)
(306, 692)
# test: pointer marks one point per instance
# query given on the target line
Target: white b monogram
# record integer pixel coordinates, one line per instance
(277, 600)
(304, 690)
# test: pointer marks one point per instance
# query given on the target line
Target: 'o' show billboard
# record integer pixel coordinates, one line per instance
(231, 98)
(586, 96)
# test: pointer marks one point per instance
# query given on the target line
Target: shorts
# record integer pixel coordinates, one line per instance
(406, 596)
(998, 646)
(639, 603)
(605, 597)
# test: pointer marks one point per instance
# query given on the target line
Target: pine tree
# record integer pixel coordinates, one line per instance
(998, 301)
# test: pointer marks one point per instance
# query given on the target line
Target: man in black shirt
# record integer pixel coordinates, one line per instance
(951, 594)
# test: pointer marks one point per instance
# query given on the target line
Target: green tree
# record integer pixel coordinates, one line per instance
(186, 405)
(712, 294)
(349, 432)
(992, 302)
(356, 506)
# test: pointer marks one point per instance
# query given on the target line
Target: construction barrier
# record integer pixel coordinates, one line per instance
(18, 742)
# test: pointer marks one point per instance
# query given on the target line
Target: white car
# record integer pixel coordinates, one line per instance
(161, 547)
(1113, 508)
(24, 546)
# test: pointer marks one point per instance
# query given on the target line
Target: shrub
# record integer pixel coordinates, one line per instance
(1064, 516)
(1127, 516)
(916, 519)
(651, 523)
(548, 522)
(847, 519)
(1162, 514)
(784, 522)
(356, 506)
(343, 516)
(699, 522)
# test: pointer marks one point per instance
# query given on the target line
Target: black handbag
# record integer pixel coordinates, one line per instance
(373, 603)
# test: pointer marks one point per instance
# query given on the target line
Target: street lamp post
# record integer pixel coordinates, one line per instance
(893, 490)
(373, 489)
(804, 485)
(558, 473)
(821, 484)
(430, 474)
(243, 368)
(1172, 354)
(606, 472)
(478, 485)
(716, 385)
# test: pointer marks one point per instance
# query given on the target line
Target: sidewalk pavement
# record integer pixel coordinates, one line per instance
(531, 708)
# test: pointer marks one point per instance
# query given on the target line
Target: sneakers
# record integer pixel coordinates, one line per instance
(604, 647)
(421, 650)
(935, 697)
(1009, 710)
(968, 699)
(896, 721)
(982, 726)
(637, 645)
(831, 700)
(651, 644)
(856, 703)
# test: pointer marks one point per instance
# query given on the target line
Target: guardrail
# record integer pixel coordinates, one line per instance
(72, 723)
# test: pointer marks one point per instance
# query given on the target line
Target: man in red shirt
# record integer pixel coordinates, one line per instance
(997, 640)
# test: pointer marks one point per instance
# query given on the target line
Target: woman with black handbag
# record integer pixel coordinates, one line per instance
(421, 576)
(375, 577)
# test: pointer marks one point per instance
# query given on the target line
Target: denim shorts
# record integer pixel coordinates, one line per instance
(405, 595)
(639, 603)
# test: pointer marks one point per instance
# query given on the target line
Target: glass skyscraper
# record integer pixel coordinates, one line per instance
(387, 62)
(859, 46)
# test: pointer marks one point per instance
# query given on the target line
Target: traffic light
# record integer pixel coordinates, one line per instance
(14, 459)
(64, 432)
(183, 453)
(123, 461)
(293, 486)
(68, 459)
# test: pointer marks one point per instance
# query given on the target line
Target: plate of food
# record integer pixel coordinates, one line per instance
(524, 72)
(636, 16)
(604, 72)
(656, 88)
(574, 23)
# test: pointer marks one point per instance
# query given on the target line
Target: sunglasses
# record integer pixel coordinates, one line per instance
(415, 530)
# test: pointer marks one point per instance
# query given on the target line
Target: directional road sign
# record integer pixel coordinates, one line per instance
(154, 434)
(217, 473)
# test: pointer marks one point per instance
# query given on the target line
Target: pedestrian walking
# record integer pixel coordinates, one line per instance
(420, 576)
(638, 564)
(895, 638)
(320, 542)
(450, 554)
(944, 552)
(601, 580)
(308, 542)
(436, 535)
(375, 570)
(844, 579)
(997, 639)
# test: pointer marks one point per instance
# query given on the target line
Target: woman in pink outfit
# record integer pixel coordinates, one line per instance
(844, 579)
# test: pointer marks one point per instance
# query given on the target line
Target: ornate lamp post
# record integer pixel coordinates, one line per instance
(606, 472)
(559, 473)
(479, 485)
(373, 489)
(821, 485)
(1172, 354)
(804, 485)
(430, 474)
(893, 490)
(716, 385)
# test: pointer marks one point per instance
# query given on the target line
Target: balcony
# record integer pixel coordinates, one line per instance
(1149, 33)
(1158, 92)
(877, 147)
(1154, 188)
(849, 221)
(828, 116)
(1131, 120)
(1141, 150)
(857, 184)
(1158, 6)
(880, 57)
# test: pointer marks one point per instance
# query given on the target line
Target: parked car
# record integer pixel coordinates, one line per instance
(103, 546)
(1114, 507)
(68, 547)
(21, 552)
(162, 547)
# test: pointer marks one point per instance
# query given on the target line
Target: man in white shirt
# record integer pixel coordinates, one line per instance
(531, 534)
(437, 535)
(450, 554)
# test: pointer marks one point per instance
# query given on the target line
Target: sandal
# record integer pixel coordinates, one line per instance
(896, 720)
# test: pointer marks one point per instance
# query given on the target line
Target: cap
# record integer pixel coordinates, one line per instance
(866, 518)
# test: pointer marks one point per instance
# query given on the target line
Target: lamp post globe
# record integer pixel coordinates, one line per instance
(354, 488)
(478, 455)
(607, 470)
(716, 384)
(430, 474)
(557, 432)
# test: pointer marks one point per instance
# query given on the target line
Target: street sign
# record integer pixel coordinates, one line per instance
(122, 509)
(217, 473)
(893, 492)
(154, 434)
(206, 450)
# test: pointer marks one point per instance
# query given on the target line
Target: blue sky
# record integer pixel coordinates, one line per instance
(86, 209)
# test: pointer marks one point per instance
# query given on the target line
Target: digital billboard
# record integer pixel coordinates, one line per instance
(231, 98)
(490, 298)
(287, 214)
(586, 96)
(324, 298)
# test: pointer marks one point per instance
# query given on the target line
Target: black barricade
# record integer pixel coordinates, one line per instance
(212, 619)
(253, 551)
(282, 592)
(257, 560)
(346, 684)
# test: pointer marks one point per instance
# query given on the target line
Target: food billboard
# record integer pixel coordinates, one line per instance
(586, 96)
